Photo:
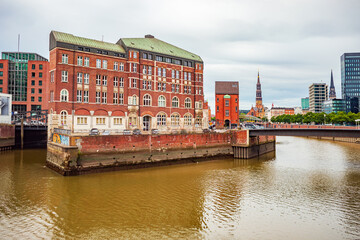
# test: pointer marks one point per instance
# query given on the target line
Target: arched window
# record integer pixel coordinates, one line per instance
(175, 102)
(134, 100)
(187, 119)
(64, 95)
(147, 100)
(161, 101)
(175, 119)
(161, 119)
(63, 117)
(187, 103)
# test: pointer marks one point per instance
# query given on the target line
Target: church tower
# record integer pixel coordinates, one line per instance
(258, 93)
(332, 93)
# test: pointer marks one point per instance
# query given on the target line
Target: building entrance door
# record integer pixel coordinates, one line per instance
(146, 123)
(227, 123)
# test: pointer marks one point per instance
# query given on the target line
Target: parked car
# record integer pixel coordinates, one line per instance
(205, 130)
(155, 131)
(105, 133)
(126, 132)
(137, 132)
(94, 132)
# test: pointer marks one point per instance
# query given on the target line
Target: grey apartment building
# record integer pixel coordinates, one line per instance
(350, 81)
(318, 93)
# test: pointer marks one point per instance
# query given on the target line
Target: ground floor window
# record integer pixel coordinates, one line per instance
(175, 119)
(81, 120)
(161, 119)
(198, 120)
(118, 121)
(63, 117)
(100, 121)
(187, 120)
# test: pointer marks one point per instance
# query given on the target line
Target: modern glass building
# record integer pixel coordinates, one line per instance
(350, 81)
(305, 103)
(17, 77)
(334, 105)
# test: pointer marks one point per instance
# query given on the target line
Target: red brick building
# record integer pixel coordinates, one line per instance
(25, 77)
(140, 83)
(227, 103)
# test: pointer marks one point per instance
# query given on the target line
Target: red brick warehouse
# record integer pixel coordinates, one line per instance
(140, 83)
(227, 103)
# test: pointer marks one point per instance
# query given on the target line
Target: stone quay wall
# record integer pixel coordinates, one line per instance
(7, 136)
(90, 154)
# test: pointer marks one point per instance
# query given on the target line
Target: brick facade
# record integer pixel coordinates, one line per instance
(123, 89)
(226, 104)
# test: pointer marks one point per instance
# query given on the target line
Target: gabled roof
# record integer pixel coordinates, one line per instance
(226, 87)
(152, 44)
(86, 42)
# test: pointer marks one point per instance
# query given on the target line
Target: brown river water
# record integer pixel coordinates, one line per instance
(308, 189)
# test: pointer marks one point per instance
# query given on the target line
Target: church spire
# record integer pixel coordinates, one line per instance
(258, 93)
(332, 93)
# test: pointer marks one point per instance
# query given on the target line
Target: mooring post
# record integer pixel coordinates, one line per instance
(22, 133)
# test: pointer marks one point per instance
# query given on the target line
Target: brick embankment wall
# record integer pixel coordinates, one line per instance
(7, 136)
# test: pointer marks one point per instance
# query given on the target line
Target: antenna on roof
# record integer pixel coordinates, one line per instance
(18, 42)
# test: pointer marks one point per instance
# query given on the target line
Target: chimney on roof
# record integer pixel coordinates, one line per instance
(149, 36)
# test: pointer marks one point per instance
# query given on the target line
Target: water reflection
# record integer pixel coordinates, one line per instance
(308, 190)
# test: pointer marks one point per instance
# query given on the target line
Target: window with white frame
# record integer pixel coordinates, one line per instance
(98, 63)
(78, 95)
(79, 77)
(98, 97)
(159, 72)
(227, 113)
(226, 103)
(79, 60)
(116, 81)
(200, 104)
(175, 119)
(104, 97)
(134, 100)
(144, 84)
(164, 87)
(164, 72)
(64, 58)
(134, 83)
(198, 120)
(187, 119)
(81, 120)
(199, 91)
(189, 89)
(144, 69)
(52, 76)
(147, 100)
(100, 121)
(86, 96)
(173, 73)
(115, 98)
(177, 74)
(161, 119)
(121, 82)
(64, 76)
(121, 98)
(187, 103)
(185, 75)
(185, 89)
(161, 101)
(98, 79)
(121, 67)
(104, 82)
(175, 102)
(86, 78)
(177, 88)
(63, 117)
(189, 76)
(116, 66)
(64, 95)
(134, 67)
(117, 121)
(104, 64)
(150, 70)
(135, 55)
(159, 86)
(86, 62)
(200, 77)
(149, 85)
(172, 87)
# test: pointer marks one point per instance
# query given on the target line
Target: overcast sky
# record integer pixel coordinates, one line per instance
(293, 43)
